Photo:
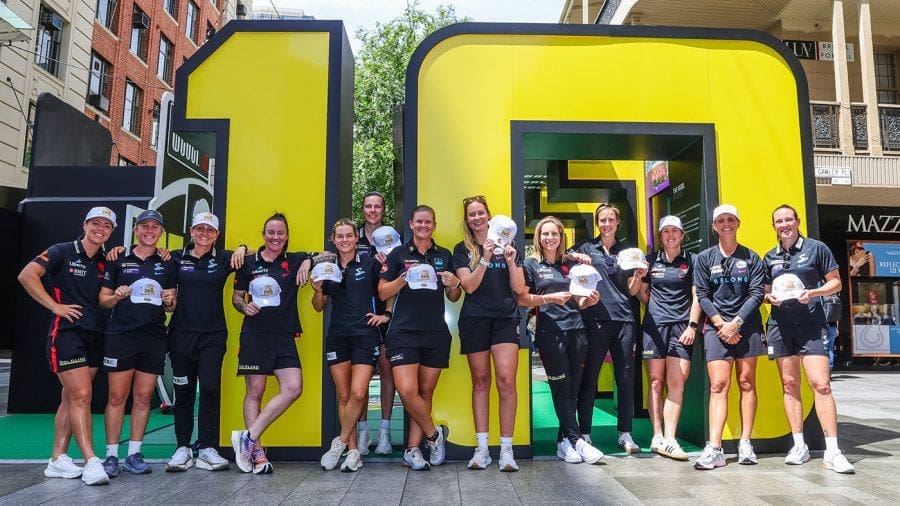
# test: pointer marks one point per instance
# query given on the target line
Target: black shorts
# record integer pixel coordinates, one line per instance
(479, 333)
(661, 341)
(430, 348)
(266, 352)
(143, 349)
(359, 350)
(73, 348)
(752, 344)
(804, 339)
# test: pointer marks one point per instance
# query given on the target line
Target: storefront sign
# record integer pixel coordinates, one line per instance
(874, 223)
(816, 50)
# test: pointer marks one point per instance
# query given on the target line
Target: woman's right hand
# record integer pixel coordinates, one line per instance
(114, 253)
(122, 292)
(581, 258)
(487, 249)
(557, 297)
(316, 285)
(251, 309)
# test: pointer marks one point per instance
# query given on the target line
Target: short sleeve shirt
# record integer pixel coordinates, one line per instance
(353, 298)
(670, 287)
(420, 309)
(615, 301)
(75, 278)
(283, 318)
(493, 297)
(810, 260)
(200, 283)
(126, 315)
(543, 278)
(730, 286)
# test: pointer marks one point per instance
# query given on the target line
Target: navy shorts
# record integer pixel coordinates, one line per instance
(143, 349)
(359, 350)
(752, 344)
(478, 333)
(789, 340)
(266, 352)
(429, 348)
(73, 348)
(661, 341)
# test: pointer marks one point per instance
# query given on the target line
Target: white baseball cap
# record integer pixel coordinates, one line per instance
(146, 291)
(787, 287)
(422, 276)
(206, 218)
(265, 292)
(326, 271)
(670, 221)
(101, 212)
(631, 258)
(725, 209)
(583, 279)
(502, 230)
(385, 239)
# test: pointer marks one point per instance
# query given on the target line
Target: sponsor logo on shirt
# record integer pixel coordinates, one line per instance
(77, 268)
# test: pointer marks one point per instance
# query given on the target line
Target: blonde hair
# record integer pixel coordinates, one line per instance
(344, 222)
(604, 207)
(560, 250)
(469, 237)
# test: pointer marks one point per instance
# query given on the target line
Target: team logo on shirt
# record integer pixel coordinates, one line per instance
(77, 268)
(101, 270)
(359, 274)
(158, 268)
(212, 266)
(802, 258)
(286, 268)
(438, 263)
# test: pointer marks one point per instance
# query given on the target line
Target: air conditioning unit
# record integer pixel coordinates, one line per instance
(51, 21)
(241, 10)
(98, 101)
(141, 20)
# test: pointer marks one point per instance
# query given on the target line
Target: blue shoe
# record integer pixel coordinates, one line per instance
(111, 466)
(135, 464)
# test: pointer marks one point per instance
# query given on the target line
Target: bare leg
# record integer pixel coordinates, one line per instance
(77, 387)
(144, 385)
(719, 382)
(480, 369)
(357, 394)
(746, 373)
(290, 385)
(677, 371)
(818, 375)
(656, 370)
(789, 368)
(119, 388)
(506, 365)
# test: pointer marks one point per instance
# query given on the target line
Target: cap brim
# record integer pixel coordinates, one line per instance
(271, 301)
(143, 299)
(579, 290)
(423, 286)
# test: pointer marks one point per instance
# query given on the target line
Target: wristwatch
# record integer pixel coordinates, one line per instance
(738, 320)
(693, 325)
(388, 313)
(484, 262)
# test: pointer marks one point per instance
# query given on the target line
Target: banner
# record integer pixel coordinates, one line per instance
(874, 269)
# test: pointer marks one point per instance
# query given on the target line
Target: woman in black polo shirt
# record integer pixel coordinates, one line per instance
(799, 272)
(560, 336)
(670, 324)
(267, 342)
(353, 340)
(488, 327)
(418, 340)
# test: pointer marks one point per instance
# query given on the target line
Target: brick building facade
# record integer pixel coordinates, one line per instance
(135, 49)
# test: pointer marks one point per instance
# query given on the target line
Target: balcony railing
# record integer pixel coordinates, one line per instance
(826, 126)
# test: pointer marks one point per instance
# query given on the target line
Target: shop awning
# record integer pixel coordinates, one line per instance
(12, 27)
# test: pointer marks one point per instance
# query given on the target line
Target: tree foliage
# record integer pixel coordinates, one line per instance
(380, 88)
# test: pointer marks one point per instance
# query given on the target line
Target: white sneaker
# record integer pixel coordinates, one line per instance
(182, 460)
(353, 462)
(587, 438)
(746, 454)
(414, 459)
(331, 458)
(711, 458)
(362, 442)
(481, 459)
(590, 454)
(384, 442)
(507, 462)
(210, 460)
(658, 444)
(673, 450)
(565, 452)
(798, 455)
(437, 452)
(837, 462)
(93, 473)
(627, 444)
(63, 467)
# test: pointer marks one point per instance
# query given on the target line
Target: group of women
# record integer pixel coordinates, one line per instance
(387, 311)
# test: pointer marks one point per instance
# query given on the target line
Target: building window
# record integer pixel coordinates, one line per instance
(124, 162)
(210, 30)
(106, 13)
(154, 135)
(190, 21)
(99, 78)
(140, 33)
(131, 117)
(48, 41)
(886, 77)
(166, 60)
(29, 134)
(171, 6)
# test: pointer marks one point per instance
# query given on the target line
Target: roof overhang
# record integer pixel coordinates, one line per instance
(12, 27)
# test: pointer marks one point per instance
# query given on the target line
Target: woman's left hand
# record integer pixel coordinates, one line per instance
(164, 253)
(509, 253)
(237, 258)
(687, 337)
(114, 253)
(376, 320)
(449, 279)
(303, 272)
(804, 297)
(589, 300)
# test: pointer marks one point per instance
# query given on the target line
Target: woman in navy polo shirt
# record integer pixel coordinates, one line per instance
(560, 336)
(670, 324)
(267, 343)
(799, 272)
(489, 327)
(729, 282)
(418, 340)
(353, 340)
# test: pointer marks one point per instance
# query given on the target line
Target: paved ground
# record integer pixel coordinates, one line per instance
(869, 404)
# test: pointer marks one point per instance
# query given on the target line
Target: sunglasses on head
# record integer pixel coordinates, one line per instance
(476, 198)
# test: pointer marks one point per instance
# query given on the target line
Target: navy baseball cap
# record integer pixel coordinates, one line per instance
(150, 214)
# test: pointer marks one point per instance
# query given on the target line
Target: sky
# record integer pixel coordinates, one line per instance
(365, 13)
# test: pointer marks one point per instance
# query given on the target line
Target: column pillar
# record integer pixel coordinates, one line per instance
(867, 66)
(841, 78)
(585, 15)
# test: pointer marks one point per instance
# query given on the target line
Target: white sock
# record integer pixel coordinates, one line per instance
(798, 439)
(831, 444)
(745, 441)
(482, 438)
(505, 441)
(362, 426)
(134, 447)
(385, 424)
(112, 450)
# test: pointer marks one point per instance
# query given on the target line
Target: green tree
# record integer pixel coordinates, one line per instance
(379, 90)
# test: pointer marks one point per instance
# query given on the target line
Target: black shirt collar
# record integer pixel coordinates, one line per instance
(259, 257)
(411, 247)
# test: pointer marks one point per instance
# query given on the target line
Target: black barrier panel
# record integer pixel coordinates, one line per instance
(63, 135)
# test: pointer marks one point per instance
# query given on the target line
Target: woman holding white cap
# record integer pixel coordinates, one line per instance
(799, 272)
(197, 336)
(559, 335)
(669, 327)
(267, 343)
(418, 340)
(139, 287)
(729, 281)
(75, 340)
(491, 276)
(611, 324)
(353, 341)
